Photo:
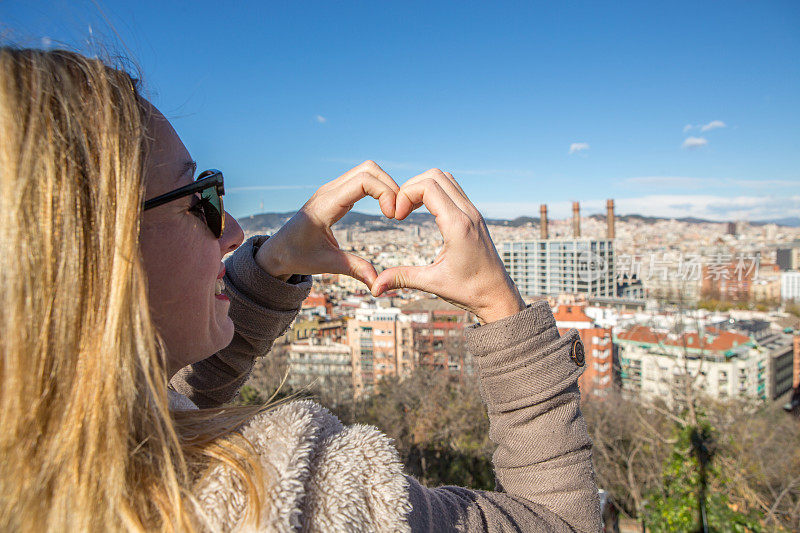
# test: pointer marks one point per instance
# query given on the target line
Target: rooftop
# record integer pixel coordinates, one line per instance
(713, 339)
(571, 313)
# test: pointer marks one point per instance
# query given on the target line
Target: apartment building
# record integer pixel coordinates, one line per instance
(669, 286)
(730, 282)
(306, 327)
(780, 361)
(439, 342)
(723, 364)
(777, 346)
(548, 267)
(381, 345)
(790, 286)
(556, 266)
(321, 365)
(438, 335)
(788, 258)
(767, 287)
(796, 361)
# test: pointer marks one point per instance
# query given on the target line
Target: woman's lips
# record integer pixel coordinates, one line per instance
(219, 286)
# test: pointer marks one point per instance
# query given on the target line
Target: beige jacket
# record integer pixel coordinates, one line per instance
(328, 477)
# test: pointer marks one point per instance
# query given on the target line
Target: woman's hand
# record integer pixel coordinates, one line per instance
(306, 245)
(467, 272)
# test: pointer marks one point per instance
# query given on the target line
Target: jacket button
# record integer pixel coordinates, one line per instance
(578, 353)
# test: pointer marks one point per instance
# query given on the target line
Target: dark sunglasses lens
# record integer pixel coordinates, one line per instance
(212, 209)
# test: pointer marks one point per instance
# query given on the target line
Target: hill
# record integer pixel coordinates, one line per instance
(379, 222)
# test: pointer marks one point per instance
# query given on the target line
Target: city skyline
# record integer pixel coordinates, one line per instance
(673, 111)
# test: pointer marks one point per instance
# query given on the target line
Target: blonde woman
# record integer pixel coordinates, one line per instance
(114, 287)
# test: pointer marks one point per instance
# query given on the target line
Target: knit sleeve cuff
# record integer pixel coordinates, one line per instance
(522, 359)
(535, 320)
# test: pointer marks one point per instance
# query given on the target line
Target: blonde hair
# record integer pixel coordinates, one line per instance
(87, 440)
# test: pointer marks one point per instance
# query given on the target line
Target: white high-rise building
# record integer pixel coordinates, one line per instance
(555, 266)
(790, 286)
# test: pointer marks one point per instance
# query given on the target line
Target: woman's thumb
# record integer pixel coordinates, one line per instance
(355, 267)
(404, 277)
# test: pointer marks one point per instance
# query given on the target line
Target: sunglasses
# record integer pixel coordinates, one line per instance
(211, 188)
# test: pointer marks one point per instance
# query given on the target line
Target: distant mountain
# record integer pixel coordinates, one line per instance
(353, 218)
(264, 220)
(379, 222)
(515, 223)
(793, 222)
(653, 220)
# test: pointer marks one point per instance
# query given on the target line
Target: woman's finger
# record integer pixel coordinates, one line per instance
(351, 265)
(419, 177)
(450, 177)
(405, 277)
(448, 185)
(341, 199)
(370, 167)
(431, 194)
(466, 205)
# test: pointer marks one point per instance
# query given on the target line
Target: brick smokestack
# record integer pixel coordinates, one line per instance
(610, 219)
(576, 220)
(543, 229)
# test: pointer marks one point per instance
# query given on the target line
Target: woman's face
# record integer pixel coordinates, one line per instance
(182, 258)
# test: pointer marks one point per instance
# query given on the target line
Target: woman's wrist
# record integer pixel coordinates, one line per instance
(501, 311)
(502, 307)
(268, 258)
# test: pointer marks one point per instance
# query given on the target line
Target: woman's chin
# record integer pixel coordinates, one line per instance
(226, 333)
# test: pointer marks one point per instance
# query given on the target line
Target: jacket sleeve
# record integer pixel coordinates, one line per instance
(543, 460)
(262, 308)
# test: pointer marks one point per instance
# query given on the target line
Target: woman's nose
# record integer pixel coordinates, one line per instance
(232, 237)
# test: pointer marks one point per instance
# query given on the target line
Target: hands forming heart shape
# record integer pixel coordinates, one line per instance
(467, 272)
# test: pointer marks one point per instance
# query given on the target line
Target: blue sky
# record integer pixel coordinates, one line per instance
(670, 108)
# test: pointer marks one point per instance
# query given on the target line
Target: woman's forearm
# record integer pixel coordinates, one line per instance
(545, 480)
(529, 384)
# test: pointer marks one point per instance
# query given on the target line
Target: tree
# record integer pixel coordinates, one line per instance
(439, 425)
(683, 501)
(630, 445)
(249, 395)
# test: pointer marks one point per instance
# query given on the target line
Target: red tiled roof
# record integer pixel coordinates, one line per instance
(715, 339)
(639, 334)
(315, 299)
(570, 313)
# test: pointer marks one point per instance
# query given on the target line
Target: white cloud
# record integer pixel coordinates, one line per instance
(46, 42)
(714, 124)
(321, 119)
(767, 183)
(574, 148)
(687, 128)
(694, 142)
(712, 207)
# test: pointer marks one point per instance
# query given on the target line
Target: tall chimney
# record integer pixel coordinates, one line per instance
(576, 220)
(543, 229)
(610, 219)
